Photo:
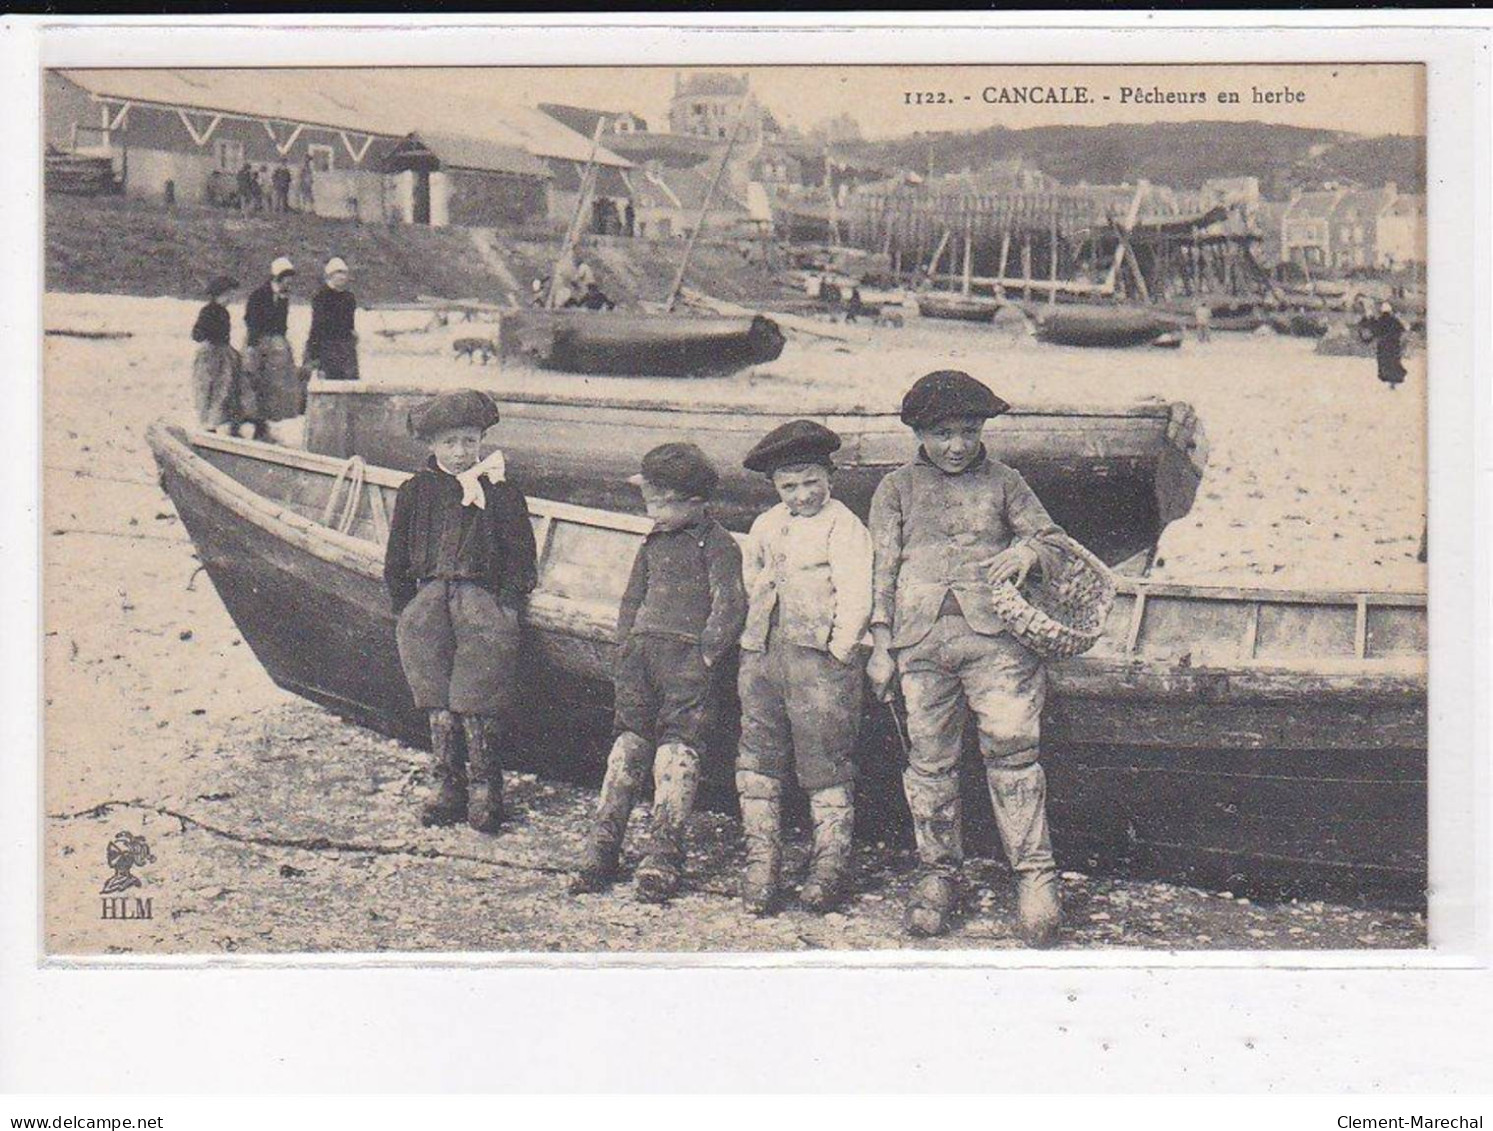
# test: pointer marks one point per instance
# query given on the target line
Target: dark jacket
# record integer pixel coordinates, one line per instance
(433, 536)
(212, 324)
(265, 314)
(686, 584)
(331, 318)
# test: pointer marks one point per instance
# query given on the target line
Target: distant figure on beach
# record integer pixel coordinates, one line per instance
(1389, 339)
(269, 362)
(219, 391)
(571, 276)
(256, 188)
(537, 291)
(332, 345)
(306, 186)
(594, 299)
(1202, 318)
(856, 307)
(281, 181)
(244, 182)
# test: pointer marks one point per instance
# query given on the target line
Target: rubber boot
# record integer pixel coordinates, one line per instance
(833, 812)
(676, 776)
(627, 765)
(761, 826)
(449, 805)
(484, 773)
(937, 825)
(1019, 797)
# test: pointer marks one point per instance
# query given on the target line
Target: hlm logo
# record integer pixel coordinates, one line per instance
(125, 853)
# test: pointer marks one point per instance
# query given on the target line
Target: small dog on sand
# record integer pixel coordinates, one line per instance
(471, 348)
(889, 318)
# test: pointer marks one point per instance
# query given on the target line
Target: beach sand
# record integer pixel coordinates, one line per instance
(158, 719)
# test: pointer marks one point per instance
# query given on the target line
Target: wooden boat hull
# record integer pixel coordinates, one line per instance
(1102, 327)
(613, 343)
(960, 308)
(1113, 477)
(1273, 744)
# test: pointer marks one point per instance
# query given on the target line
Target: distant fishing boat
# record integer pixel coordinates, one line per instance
(958, 307)
(626, 344)
(1111, 327)
(1270, 742)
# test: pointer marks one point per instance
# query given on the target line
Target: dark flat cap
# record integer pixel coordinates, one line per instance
(679, 467)
(946, 393)
(464, 409)
(798, 441)
(219, 284)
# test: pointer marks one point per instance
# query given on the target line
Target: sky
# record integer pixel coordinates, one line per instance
(1359, 98)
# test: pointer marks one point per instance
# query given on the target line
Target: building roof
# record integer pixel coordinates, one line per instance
(678, 150)
(583, 119)
(391, 102)
(1407, 204)
(457, 152)
(713, 83)
(1365, 202)
(663, 187)
(1313, 205)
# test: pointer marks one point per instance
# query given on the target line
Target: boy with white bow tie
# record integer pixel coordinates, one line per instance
(459, 564)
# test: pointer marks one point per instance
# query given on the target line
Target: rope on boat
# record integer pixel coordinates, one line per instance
(353, 472)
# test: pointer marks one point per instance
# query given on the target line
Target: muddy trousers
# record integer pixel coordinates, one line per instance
(469, 782)
(951, 674)
(676, 778)
(832, 810)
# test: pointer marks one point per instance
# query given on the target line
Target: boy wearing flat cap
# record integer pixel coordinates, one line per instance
(681, 615)
(459, 565)
(947, 528)
(807, 568)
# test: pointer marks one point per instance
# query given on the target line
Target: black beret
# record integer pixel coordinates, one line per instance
(798, 441)
(464, 409)
(220, 284)
(679, 467)
(946, 393)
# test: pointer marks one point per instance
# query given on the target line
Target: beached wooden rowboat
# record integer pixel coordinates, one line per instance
(623, 344)
(1268, 742)
(960, 308)
(1100, 326)
(1112, 477)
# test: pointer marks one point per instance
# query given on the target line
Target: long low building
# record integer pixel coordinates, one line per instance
(376, 149)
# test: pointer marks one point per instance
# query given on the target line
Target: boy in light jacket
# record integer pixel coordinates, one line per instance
(807, 568)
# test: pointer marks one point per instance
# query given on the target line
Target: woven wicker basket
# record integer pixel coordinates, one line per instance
(1063, 615)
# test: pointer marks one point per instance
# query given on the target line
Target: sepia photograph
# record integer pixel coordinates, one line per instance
(760, 509)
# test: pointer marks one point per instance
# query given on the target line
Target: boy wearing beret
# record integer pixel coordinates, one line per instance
(459, 564)
(946, 528)
(807, 568)
(681, 615)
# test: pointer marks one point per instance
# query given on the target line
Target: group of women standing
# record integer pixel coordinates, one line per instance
(264, 384)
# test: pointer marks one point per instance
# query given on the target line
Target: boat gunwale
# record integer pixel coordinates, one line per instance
(1347, 674)
(1145, 408)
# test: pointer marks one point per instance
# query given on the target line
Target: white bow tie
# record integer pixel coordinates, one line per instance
(472, 494)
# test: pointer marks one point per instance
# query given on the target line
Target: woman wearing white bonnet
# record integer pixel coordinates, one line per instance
(332, 345)
(269, 361)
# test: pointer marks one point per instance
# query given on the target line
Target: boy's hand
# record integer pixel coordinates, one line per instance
(880, 670)
(1013, 564)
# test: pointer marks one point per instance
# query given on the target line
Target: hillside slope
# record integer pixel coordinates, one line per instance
(116, 246)
(1180, 154)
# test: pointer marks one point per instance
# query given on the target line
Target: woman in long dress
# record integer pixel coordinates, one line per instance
(332, 345)
(1389, 337)
(221, 394)
(268, 358)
